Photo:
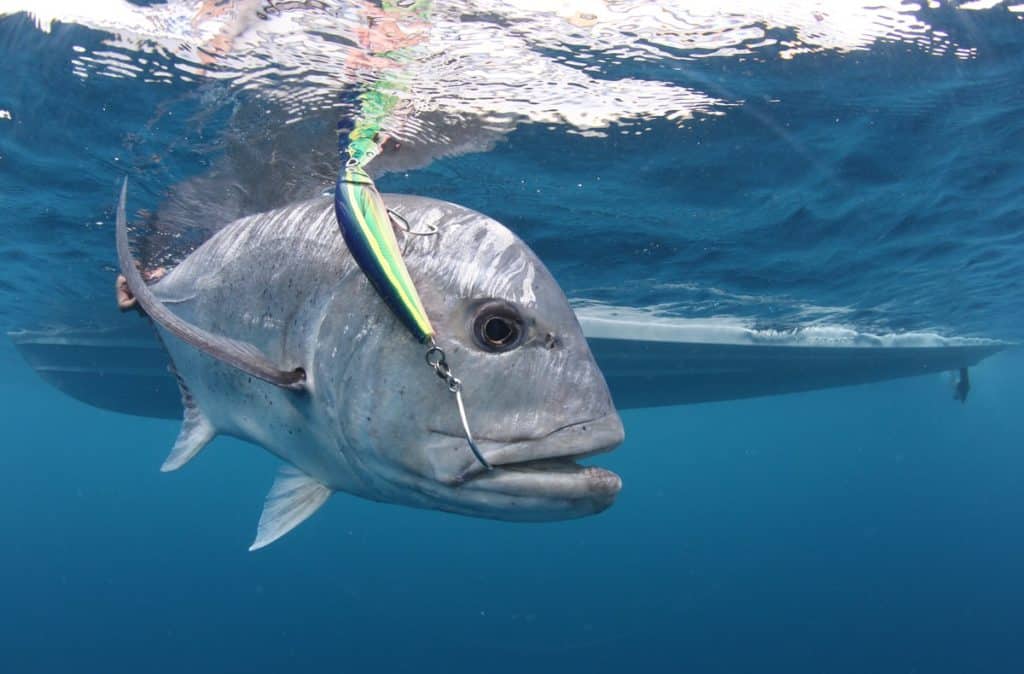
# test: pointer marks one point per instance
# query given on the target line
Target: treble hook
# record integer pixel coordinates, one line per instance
(399, 220)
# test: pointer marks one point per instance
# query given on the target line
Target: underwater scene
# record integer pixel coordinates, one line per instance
(512, 336)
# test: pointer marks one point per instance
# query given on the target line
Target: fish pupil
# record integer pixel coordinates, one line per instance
(499, 331)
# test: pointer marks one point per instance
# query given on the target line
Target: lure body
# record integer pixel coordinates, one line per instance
(366, 227)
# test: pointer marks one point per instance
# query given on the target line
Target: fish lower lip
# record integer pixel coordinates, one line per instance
(559, 479)
(565, 463)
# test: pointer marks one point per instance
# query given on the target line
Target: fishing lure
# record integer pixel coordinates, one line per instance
(366, 226)
(366, 223)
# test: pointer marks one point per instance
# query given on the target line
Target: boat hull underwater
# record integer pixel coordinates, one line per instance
(125, 369)
(647, 361)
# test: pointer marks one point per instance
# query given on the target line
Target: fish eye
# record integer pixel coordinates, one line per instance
(498, 327)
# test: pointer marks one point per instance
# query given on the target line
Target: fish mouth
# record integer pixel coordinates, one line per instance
(545, 467)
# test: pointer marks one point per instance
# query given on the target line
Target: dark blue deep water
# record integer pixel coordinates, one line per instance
(864, 529)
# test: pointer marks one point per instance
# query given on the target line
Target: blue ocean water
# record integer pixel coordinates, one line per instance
(872, 528)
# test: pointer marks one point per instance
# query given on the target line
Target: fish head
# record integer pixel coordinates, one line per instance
(535, 399)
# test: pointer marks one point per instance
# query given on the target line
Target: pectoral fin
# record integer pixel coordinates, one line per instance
(293, 498)
(241, 355)
(196, 432)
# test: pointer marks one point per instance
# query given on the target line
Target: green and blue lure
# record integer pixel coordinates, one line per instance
(367, 228)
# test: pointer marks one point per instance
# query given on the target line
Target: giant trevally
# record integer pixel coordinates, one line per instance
(277, 338)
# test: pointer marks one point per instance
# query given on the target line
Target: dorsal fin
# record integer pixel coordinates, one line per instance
(292, 499)
(241, 355)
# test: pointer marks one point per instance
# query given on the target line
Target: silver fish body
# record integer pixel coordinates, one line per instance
(371, 418)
